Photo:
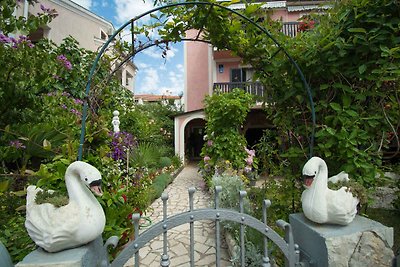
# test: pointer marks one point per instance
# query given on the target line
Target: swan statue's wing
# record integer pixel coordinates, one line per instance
(340, 177)
(49, 226)
(342, 206)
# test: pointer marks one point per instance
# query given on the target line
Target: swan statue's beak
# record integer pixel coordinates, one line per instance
(308, 180)
(95, 187)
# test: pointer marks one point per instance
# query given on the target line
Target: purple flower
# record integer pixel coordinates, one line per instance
(4, 39)
(22, 38)
(17, 144)
(209, 143)
(49, 11)
(120, 144)
(78, 101)
(249, 160)
(68, 65)
(64, 106)
(63, 59)
(249, 152)
(74, 111)
(43, 8)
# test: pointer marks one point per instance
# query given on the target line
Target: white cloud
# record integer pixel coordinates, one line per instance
(171, 52)
(156, 52)
(160, 80)
(153, 52)
(105, 4)
(142, 65)
(127, 9)
(126, 35)
(151, 80)
(85, 3)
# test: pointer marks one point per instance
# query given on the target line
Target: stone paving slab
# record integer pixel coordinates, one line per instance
(178, 238)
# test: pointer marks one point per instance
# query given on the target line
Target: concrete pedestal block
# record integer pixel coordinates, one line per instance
(92, 254)
(362, 243)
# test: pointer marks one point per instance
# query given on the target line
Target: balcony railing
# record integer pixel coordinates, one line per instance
(254, 88)
(290, 28)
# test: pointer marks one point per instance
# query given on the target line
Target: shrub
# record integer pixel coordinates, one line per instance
(146, 155)
(160, 182)
(176, 161)
(165, 162)
(225, 113)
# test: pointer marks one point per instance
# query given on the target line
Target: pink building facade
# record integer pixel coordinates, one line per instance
(206, 68)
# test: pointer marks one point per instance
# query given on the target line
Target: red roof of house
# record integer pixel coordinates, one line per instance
(155, 98)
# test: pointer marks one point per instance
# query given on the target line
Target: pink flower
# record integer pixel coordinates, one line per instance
(209, 143)
(247, 169)
(17, 144)
(78, 101)
(249, 160)
(249, 152)
(206, 158)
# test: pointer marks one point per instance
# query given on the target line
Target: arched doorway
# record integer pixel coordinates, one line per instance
(189, 133)
(194, 139)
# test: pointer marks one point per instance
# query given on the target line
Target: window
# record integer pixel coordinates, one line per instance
(103, 35)
(241, 75)
(39, 34)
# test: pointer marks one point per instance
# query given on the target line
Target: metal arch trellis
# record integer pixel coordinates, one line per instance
(212, 5)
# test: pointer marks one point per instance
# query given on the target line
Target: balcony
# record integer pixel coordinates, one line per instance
(290, 28)
(254, 88)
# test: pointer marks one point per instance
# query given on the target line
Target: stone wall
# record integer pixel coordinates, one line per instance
(362, 243)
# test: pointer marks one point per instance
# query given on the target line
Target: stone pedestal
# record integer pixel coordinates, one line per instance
(362, 243)
(92, 254)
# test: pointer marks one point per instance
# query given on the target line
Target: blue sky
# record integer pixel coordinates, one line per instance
(156, 75)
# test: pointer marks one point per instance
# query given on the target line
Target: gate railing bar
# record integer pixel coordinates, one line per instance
(218, 189)
(191, 193)
(164, 256)
(266, 205)
(136, 219)
(242, 194)
(216, 214)
(293, 252)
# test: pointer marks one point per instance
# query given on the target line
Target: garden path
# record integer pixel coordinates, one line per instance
(178, 238)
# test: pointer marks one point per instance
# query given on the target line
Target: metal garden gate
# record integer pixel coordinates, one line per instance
(216, 214)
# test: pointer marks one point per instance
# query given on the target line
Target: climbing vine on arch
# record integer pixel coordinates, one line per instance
(350, 59)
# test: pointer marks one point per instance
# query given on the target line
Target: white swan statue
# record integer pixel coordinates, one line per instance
(321, 204)
(81, 221)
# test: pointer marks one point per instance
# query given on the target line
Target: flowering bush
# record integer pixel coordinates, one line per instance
(306, 25)
(122, 143)
(127, 191)
(225, 114)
